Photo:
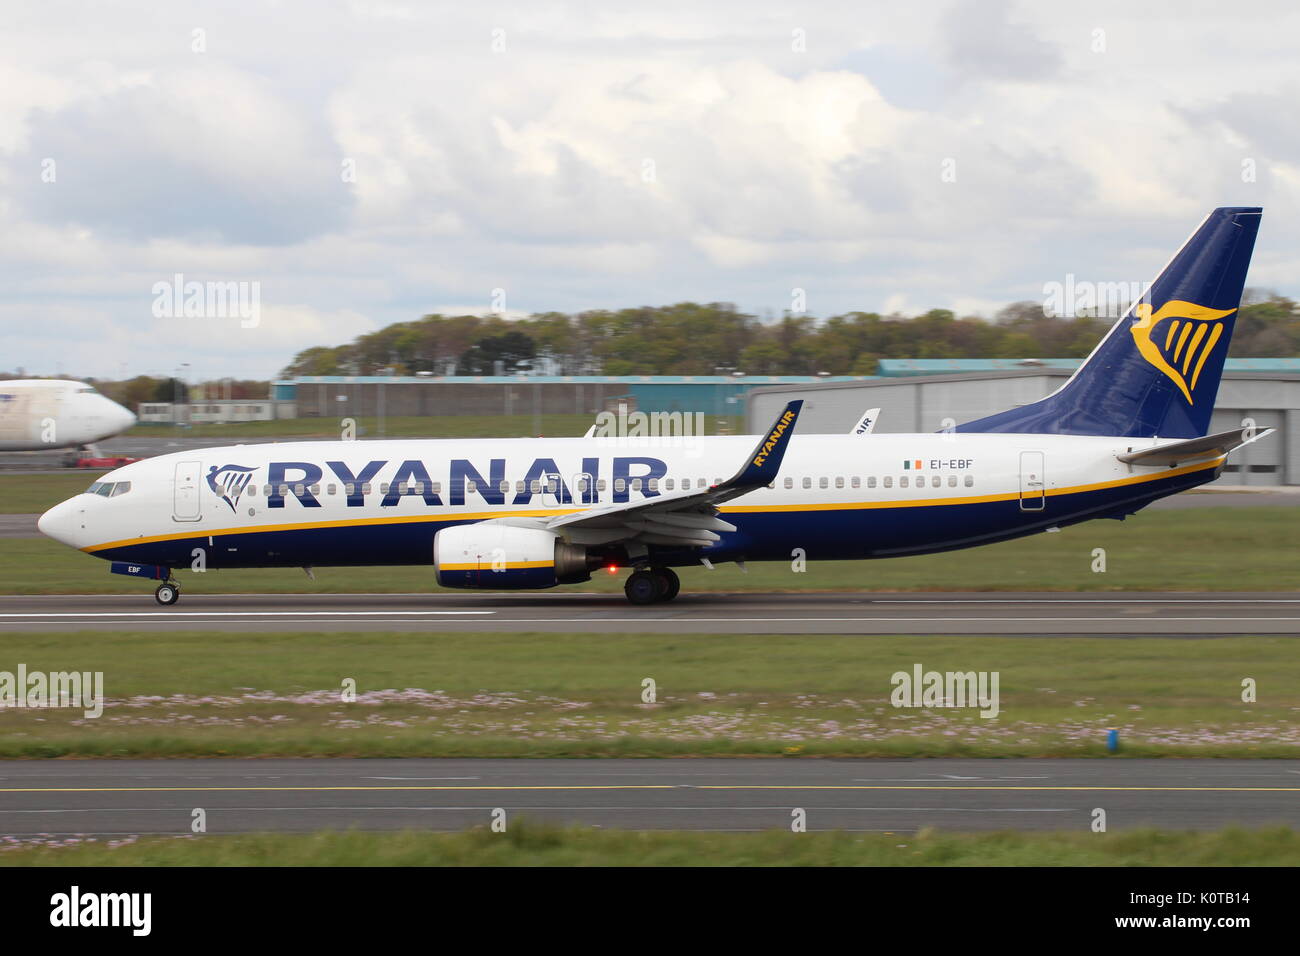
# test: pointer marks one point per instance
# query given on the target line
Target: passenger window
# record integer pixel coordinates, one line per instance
(636, 484)
(668, 484)
(349, 489)
(871, 482)
(952, 481)
(365, 489)
(807, 482)
(789, 482)
(315, 489)
(823, 482)
(520, 487)
(535, 487)
(904, 482)
(284, 490)
(889, 481)
(839, 482)
(383, 488)
(504, 487)
(600, 485)
(936, 481)
(970, 481)
(436, 488)
(470, 487)
(620, 484)
(855, 482)
(252, 491)
(653, 484)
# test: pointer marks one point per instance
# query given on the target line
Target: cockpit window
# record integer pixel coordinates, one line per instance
(86, 391)
(109, 489)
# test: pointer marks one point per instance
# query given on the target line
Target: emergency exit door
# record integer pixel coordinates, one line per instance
(1033, 483)
(185, 500)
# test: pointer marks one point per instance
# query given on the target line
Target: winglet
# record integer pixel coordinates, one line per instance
(765, 460)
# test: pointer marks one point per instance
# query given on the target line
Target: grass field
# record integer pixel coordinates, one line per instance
(480, 695)
(22, 494)
(529, 844)
(412, 426)
(1212, 549)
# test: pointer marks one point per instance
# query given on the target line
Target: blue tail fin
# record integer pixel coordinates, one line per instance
(1156, 373)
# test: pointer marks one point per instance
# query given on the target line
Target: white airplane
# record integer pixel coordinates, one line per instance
(1127, 428)
(38, 414)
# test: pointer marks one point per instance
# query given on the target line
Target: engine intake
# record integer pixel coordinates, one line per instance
(491, 555)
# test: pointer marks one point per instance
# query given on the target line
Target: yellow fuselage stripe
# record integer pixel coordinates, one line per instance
(729, 509)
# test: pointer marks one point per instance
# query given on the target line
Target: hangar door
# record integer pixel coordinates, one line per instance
(185, 499)
(1033, 483)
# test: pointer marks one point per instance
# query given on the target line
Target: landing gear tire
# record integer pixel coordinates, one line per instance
(642, 587)
(669, 583)
(167, 594)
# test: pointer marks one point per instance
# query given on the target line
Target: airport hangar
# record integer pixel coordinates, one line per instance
(917, 395)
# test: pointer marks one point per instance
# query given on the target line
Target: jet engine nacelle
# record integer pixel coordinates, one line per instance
(490, 555)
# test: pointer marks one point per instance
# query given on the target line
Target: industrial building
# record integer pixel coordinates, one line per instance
(339, 396)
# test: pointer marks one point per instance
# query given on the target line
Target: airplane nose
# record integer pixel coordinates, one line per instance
(62, 523)
(126, 419)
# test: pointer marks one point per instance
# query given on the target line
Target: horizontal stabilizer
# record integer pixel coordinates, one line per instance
(1211, 446)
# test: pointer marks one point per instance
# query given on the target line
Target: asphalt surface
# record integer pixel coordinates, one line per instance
(119, 797)
(1111, 614)
(18, 526)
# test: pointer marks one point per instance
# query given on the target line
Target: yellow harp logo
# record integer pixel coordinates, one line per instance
(1186, 342)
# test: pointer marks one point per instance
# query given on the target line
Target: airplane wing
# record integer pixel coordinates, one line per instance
(867, 423)
(685, 518)
(1211, 446)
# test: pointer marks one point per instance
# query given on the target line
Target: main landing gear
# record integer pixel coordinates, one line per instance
(650, 586)
(168, 593)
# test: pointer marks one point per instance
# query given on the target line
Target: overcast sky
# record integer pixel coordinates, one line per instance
(369, 162)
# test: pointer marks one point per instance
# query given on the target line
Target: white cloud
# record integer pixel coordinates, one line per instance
(612, 156)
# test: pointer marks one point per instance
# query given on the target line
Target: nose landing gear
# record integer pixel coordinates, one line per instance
(652, 586)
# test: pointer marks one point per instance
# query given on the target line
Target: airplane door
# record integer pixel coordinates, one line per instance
(1033, 482)
(185, 502)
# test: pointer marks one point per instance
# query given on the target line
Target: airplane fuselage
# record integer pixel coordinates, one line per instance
(43, 414)
(381, 502)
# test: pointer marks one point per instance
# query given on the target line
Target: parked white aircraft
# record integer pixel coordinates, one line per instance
(38, 414)
(1127, 428)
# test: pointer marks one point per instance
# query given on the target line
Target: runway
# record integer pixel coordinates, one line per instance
(120, 797)
(1112, 614)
